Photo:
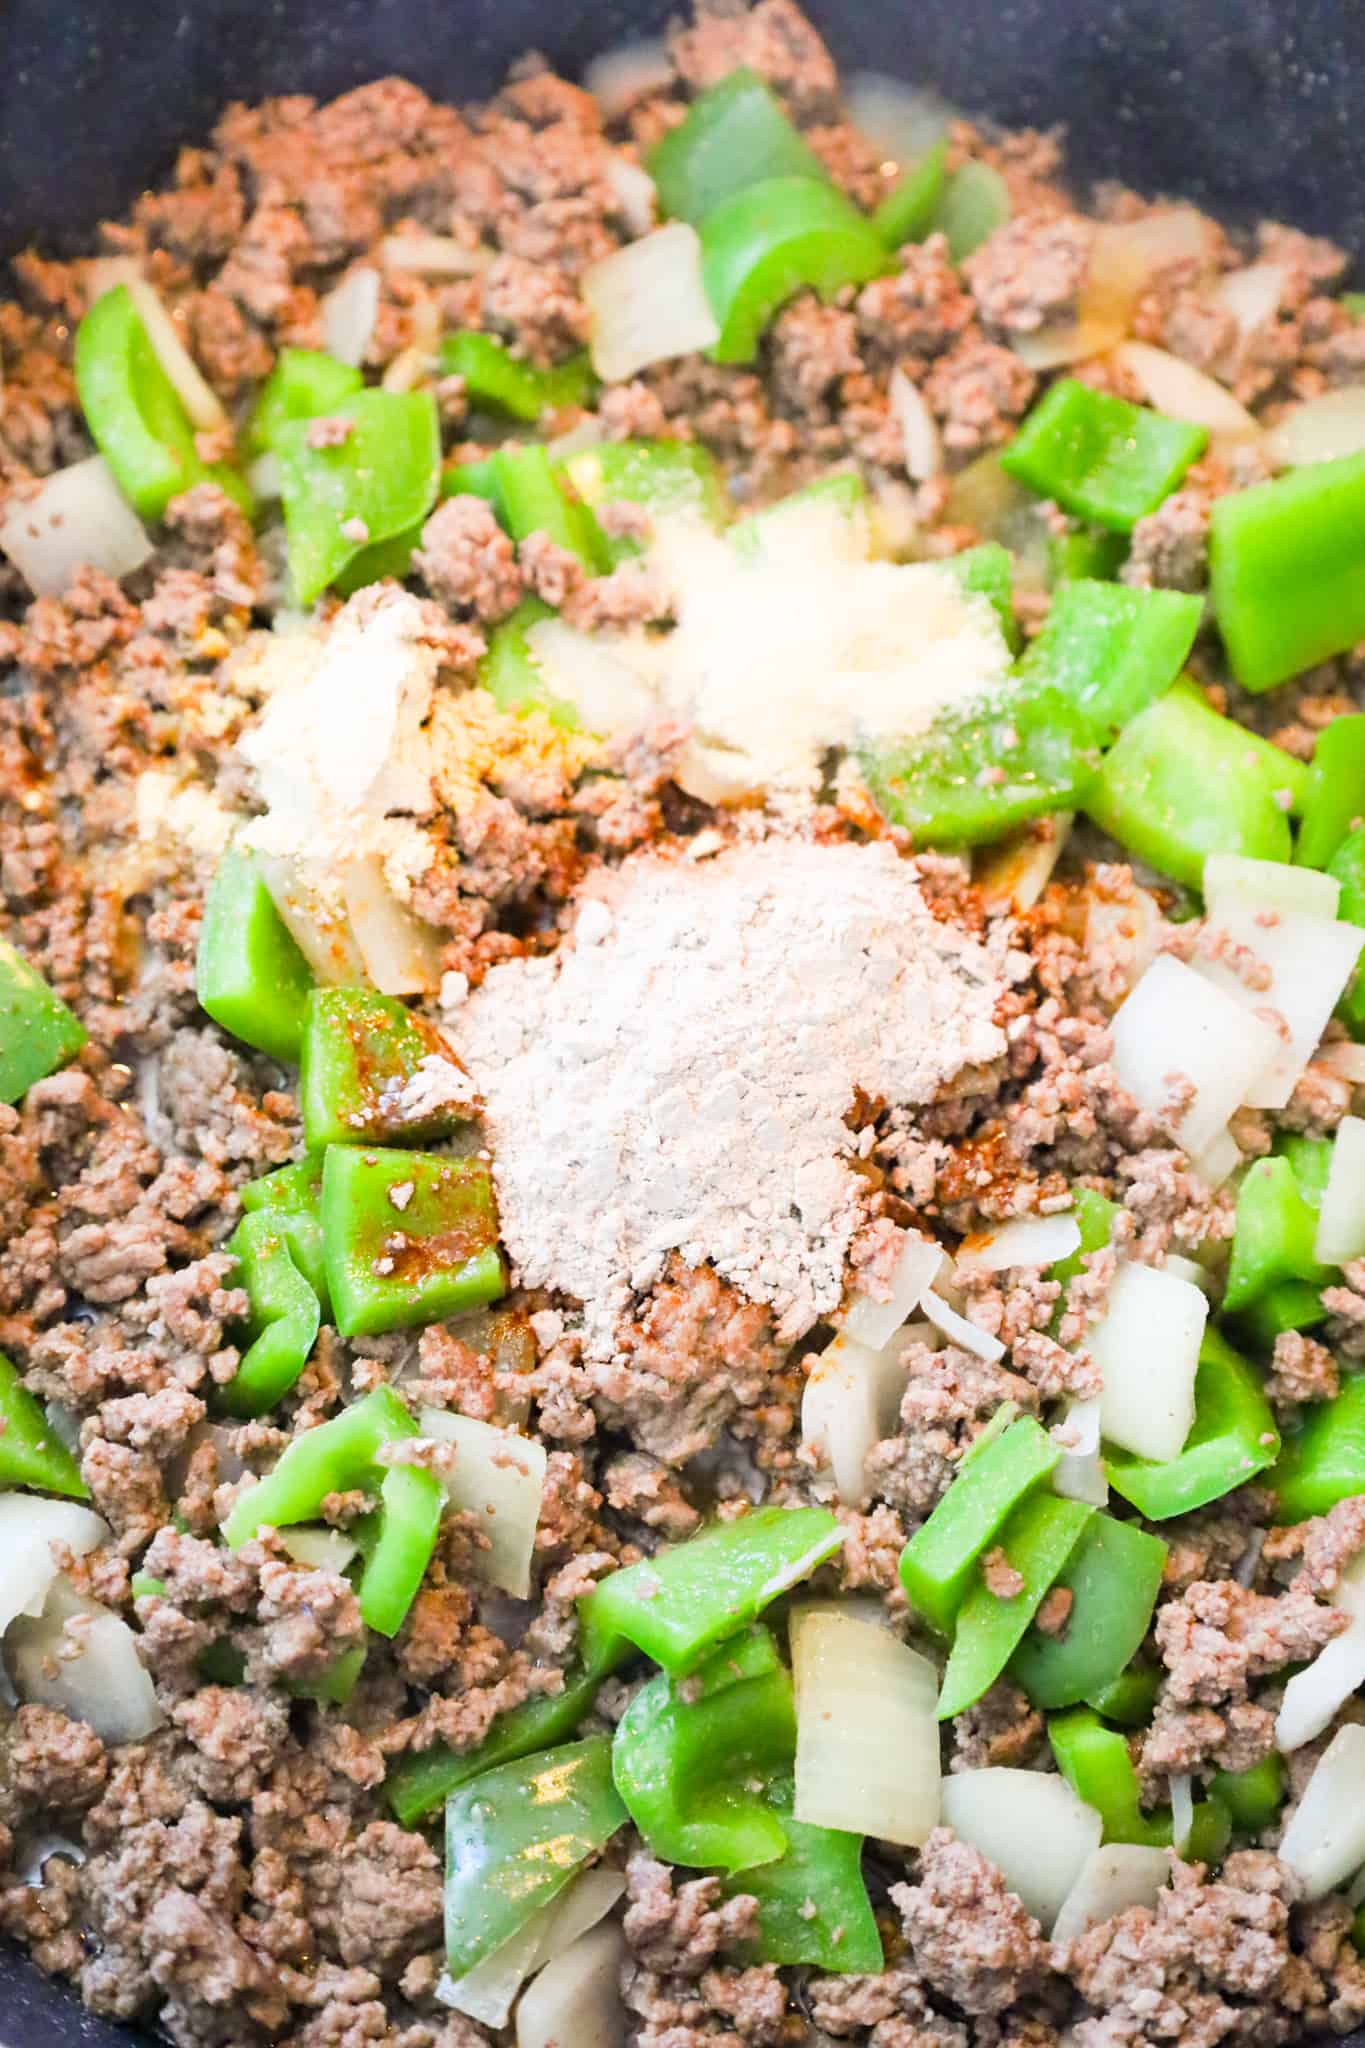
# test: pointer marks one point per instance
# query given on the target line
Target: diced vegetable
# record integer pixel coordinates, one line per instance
(1036, 1543)
(1234, 1437)
(679, 1605)
(1095, 1762)
(1112, 651)
(1025, 1241)
(975, 203)
(401, 952)
(648, 302)
(576, 1997)
(1174, 387)
(1319, 429)
(1324, 1461)
(733, 135)
(1146, 1347)
(75, 517)
(1113, 1576)
(533, 499)
(35, 1535)
(349, 313)
(1341, 1215)
(499, 1480)
(348, 495)
(91, 1672)
(365, 1062)
(867, 1747)
(1314, 1695)
(851, 1401)
(988, 570)
(1031, 1825)
(494, 377)
(813, 1907)
(1274, 1238)
(249, 973)
(512, 674)
(38, 1033)
(1252, 1797)
(1334, 805)
(303, 384)
(1086, 551)
(1325, 1839)
(874, 1323)
(1128, 1699)
(1310, 961)
(284, 1318)
(1177, 1022)
(1287, 570)
(666, 478)
(1232, 883)
(1111, 1879)
(1347, 866)
(410, 1238)
(768, 241)
(488, 1991)
(915, 201)
(1100, 457)
(31, 1452)
(938, 1562)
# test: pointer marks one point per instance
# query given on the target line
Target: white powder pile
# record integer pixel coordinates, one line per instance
(677, 1076)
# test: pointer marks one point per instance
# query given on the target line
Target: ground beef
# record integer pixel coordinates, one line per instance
(971, 1940)
(1218, 1635)
(49, 1765)
(1321, 1548)
(1029, 273)
(919, 311)
(1301, 1370)
(1170, 547)
(467, 561)
(977, 392)
(774, 39)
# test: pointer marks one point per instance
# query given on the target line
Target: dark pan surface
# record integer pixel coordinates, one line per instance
(1253, 107)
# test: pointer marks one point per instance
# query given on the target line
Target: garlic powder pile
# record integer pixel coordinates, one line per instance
(677, 1075)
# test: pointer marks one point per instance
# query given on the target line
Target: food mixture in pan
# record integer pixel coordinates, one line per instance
(682, 1232)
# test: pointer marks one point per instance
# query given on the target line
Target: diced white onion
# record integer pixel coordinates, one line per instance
(585, 433)
(91, 1672)
(75, 518)
(200, 400)
(900, 121)
(1310, 960)
(585, 670)
(499, 1478)
(851, 1402)
(575, 2002)
(1313, 1695)
(959, 1330)
(433, 256)
(1247, 1565)
(648, 303)
(1013, 875)
(319, 928)
(874, 1323)
(1320, 429)
(1188, 1269)
(867, 1738)
(1218, 1161)
(1110, 1881)
(1181, 1788)
(1146, 1346)
(1181, 392)
(1341, 1218)
(31, 1531)
(1177, 1025)
(1325, 1839)
(920, 437)
(1025, 1241)
(349, 314)
(635, 194)
(1251, 295)
(618, 78)
(1232, 882)
(1030, 1825)
(320, 1549)
(1079, 1472)
(488, 1991)
(402, 953)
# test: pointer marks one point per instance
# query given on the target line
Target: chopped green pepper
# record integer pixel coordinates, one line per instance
(665, 478)
(409, 1237)
(1334, 806)
(514, 1838)
(679, 1605)
(765, 243)
(337, 1457)
(988, 571)
(1113, 1576)
(1274, 1235)
(134, 412)
(1324, 1461)
(292, 1198)
(1287, 570)
(733, 135)
(303, 384)
(1182, 783)
(1112, 651)
(975, 203)
(1129, 1698)
(1252, 1797)
(1094, 1217)
(1037, 1541)
(692, 1758)
(1099, 456)
(937, 1563)
(511, 674)
(813, 1907)
(915, 201)
(360, 1052)
(1095, 1762)
(249, 975)
(1347, 866)
(1233, 1438)
(1085, 551)
(346, 495)
(334, 1686)
(284, 1318)
(38, 1033)
(31, 1452)
(1290, 1305)
(494, 377)
(471, 479)
(533, 499)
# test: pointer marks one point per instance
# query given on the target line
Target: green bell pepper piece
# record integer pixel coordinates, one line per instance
(1099, 456)
(938, 1562)
(304, 384)
(1085, 552)
(915, 201)
(471, 479)
(284, 1318)
(692, 1758)
(1324, 1461)
(134, 412)
(975, 203)
(1095, 1762)
(1038, 1539)
(292, 1198)
(511, 674)
(1094, 1214)
(1334, 807)
(514, 1838)
(1290, 1305)
(408, 1237)
(1287, 570)
(337, 1457)
(1112, 651)
(31, 1452)
(771, 239)
(1347, 866)
(1253, 1797)
(1234, 1437)
(359, 1051)
(988, 571)
(1128, 1699)
(533, 499)
(334, 1686)
(1181, 783)
(813, 1907)
(38, 1033)
(733, 135)
(679, 1605)
(665, 478)
(1274, 1235)
(249, 974)
(1114, 1576)
(495, 378)
(377, 483)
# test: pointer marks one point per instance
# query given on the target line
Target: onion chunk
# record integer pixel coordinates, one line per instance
(76, 518)
(1031, 1826)
(1146, 1346)
(648, 303)
(867, 1744)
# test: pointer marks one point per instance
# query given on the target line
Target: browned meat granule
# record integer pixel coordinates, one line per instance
(970, 1938)
(1218, 1635)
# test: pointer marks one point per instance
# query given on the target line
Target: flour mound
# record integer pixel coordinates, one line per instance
(677, 1076)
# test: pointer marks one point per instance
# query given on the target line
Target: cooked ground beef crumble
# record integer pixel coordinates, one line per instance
(238, 1877)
